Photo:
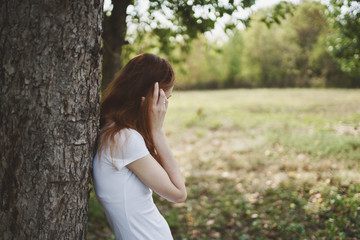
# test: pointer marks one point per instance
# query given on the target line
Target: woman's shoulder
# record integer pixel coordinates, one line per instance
(130, 145)
(129, 132)
(128, 135)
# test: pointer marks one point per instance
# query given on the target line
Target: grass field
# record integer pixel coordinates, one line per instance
(262, 164)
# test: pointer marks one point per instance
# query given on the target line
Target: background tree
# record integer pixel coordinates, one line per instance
(50, 80)
(308, 24)
(269, 55)
(233, 51)
(295, 53)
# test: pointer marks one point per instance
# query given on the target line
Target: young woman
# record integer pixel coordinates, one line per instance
(133, 157)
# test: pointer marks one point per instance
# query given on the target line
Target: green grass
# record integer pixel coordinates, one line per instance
(262, 164)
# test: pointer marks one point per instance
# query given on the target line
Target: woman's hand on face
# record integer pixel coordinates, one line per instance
(158, 109)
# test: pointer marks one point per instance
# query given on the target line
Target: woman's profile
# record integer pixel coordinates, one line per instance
(133, 157)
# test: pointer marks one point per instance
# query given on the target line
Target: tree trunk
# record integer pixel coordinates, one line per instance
(50, 80)
(114, 39)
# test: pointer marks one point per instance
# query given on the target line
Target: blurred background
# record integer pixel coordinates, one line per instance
(265, 115)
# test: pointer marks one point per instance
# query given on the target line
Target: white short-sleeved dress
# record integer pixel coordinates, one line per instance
(127, 202)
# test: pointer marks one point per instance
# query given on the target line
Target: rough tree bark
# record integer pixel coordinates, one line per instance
(114, 39)
(50, 80)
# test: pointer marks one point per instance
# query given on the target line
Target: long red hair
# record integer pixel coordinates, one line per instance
(121, 104)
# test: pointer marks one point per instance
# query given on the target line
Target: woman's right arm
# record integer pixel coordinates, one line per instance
(163, 177)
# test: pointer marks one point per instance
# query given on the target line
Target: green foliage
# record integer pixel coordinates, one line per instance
(344, 43)
(177, 23)
(204, 67)
(262, 164)
(174, 23)
(313, 45)
(233, 50)
(279, 12)
(269, 57)
(293, 54)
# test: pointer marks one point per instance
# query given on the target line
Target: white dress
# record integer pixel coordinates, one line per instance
(128, 203)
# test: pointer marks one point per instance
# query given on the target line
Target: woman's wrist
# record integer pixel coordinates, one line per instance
(158, 133)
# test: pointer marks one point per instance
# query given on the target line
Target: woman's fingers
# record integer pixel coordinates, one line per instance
(164, 101)
(162, 97)
(156, 93)
(159, 97)
(159, 107)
